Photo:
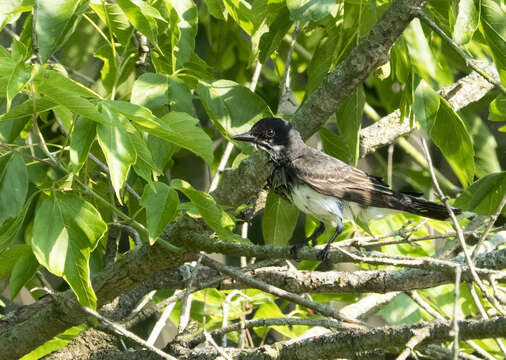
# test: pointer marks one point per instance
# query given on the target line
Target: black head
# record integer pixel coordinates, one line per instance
(273, 135)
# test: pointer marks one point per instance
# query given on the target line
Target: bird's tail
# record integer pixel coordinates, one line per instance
(426, 208)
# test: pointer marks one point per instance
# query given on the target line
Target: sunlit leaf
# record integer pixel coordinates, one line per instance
(466, 22)
(118, 150)
(160, 201)
(66, 229)
(493, 28)
(311, 10)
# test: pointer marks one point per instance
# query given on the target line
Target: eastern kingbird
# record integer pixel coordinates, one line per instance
(326, 187)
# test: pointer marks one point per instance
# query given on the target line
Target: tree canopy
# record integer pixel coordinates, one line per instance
(118, 175)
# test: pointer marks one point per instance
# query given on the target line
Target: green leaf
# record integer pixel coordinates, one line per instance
(66, 230)
(451, 136)
(17, 81)
(311, 10)
(161, 202)
(158, 92)
(232, 108)
(213, 215)
(10, 228)
(142, 16)
(279, 220)
(483, 196)
(497, 108)
(240, 11)
(322, 58)
(269, 41)
(426, 106)
(175, 127)
(58, 342)
(118, 150)
(13, 187)
(68, 93)
(52, 19)
(26, 109)
(349, 120)
(25, 267)
(216, 8)
(466, 22)
(9, 257)
(334, 145)
(145, 164)
(493, 28)
(187, 24)
(10, 10)
(82, 138)
(117, 19)
(109, 71)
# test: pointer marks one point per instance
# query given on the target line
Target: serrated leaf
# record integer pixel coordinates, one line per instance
(493, 28)
(213, 215)
(466, 21)
(483, 196)
(52, 19)
(279, 220)
(175, 127)
(161, 202)
(158, 92)
(311, 10)
(349, 120)
(13, 187)
(66, 230)
(232, 108)
(81, 139)
(118, 150)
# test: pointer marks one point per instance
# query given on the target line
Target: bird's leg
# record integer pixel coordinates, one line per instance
(317, 232)
(325, 252)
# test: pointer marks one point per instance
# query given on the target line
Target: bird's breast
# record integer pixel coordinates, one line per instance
(327, 209)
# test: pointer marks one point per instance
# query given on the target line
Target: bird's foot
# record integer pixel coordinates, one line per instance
(324, 253)
(295, 249)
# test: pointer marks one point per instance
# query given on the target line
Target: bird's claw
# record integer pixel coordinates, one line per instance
(295, 249)
(324, 253)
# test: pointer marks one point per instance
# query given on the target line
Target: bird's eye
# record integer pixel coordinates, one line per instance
(269, 133)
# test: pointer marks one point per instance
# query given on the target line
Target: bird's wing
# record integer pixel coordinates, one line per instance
(333, 177)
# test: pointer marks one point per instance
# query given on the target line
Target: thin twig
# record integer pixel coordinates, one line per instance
(418, 336)
(124, 332)
(220, 351)
(262, 322)
(455, 328)
(239, 275)
(186, 304)
(225, 306)
(458, 229)
(467, 59)
(160, 324)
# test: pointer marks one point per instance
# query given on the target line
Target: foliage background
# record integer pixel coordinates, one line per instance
(117, 115)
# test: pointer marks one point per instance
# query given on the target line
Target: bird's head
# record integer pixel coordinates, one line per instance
(274, 135)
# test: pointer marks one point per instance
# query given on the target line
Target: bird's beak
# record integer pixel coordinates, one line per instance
(245, 137)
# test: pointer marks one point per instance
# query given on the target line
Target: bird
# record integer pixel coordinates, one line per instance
(327, 188)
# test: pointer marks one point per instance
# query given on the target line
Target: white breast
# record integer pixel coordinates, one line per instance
(323, 207)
